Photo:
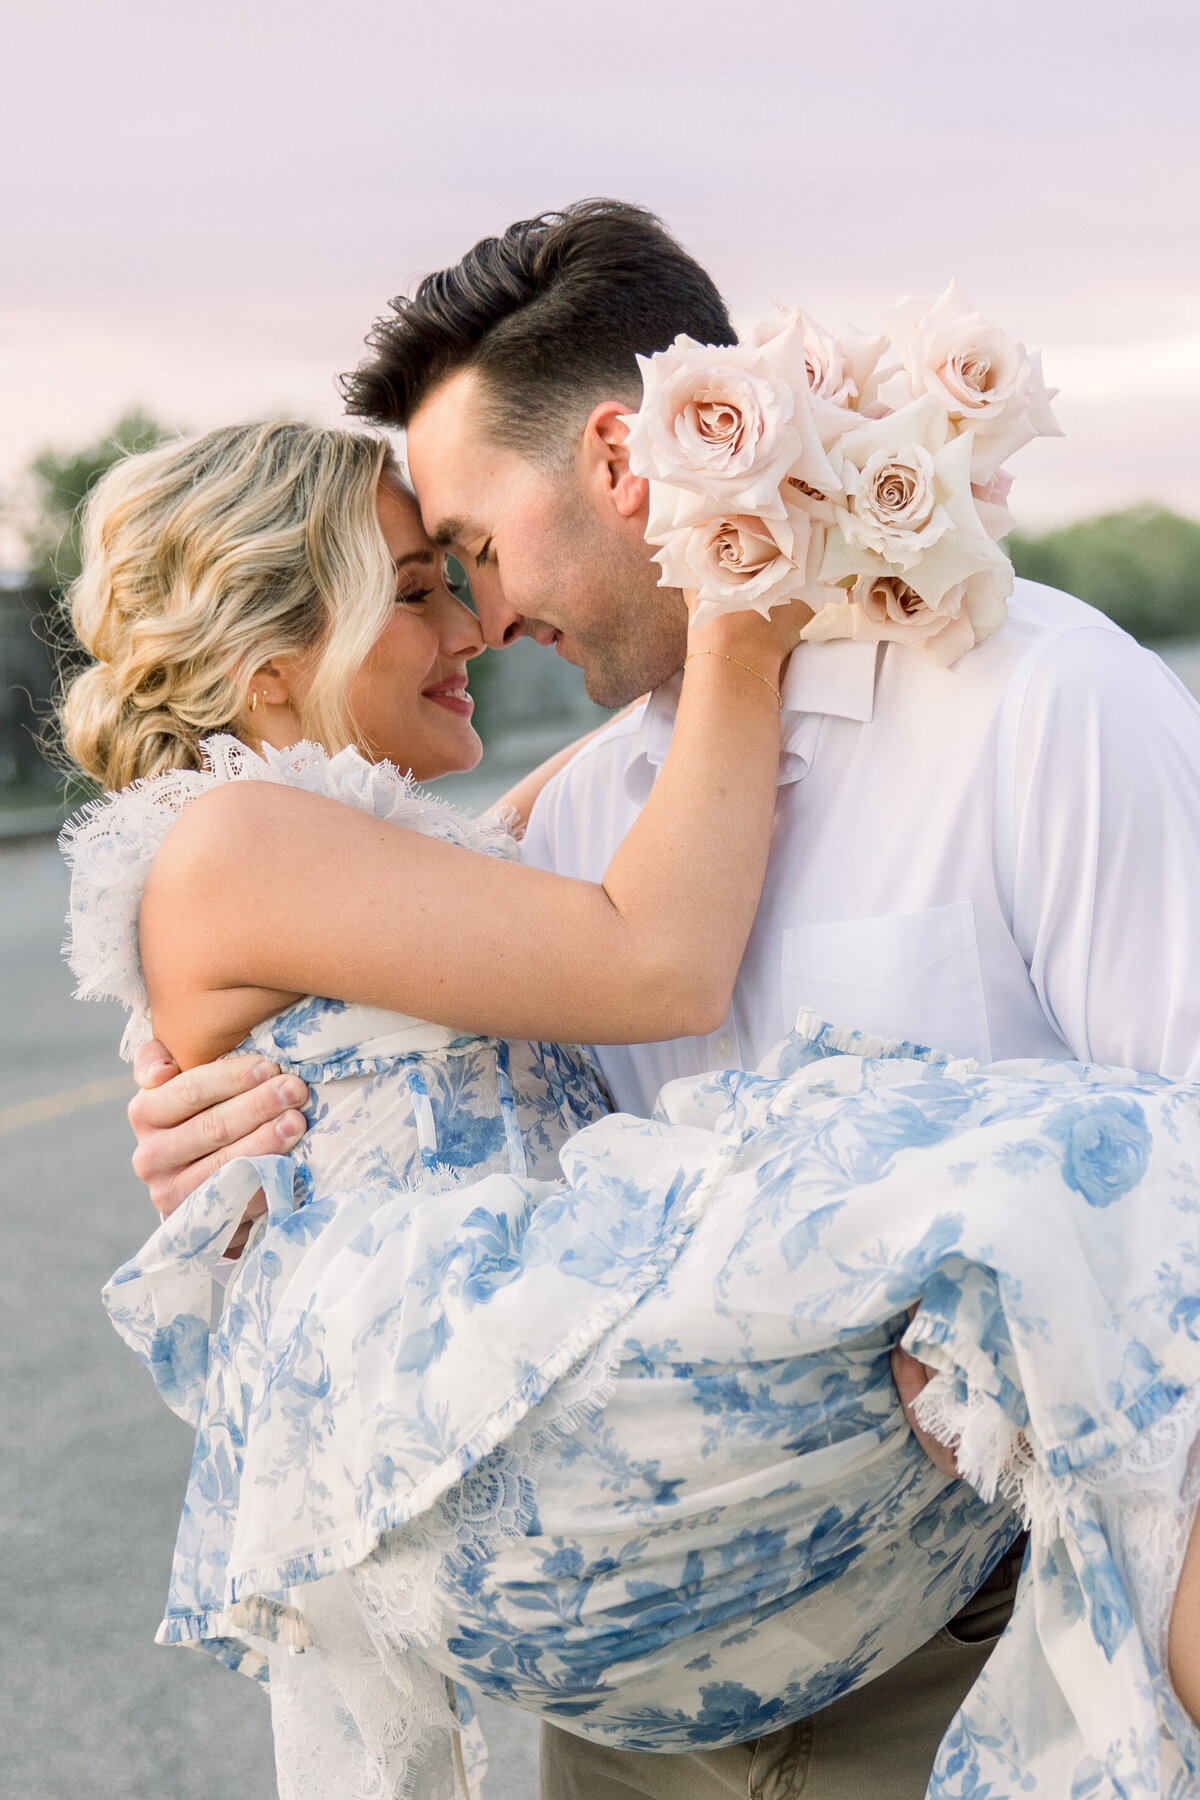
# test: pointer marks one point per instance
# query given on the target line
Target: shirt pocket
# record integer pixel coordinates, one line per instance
(905, 975)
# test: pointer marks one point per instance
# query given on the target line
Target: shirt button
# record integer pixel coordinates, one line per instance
(724, 1046)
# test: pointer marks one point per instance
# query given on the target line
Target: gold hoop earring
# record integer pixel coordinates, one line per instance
(253, 698)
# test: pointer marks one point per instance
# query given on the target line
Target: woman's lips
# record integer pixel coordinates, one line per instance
(453, 696)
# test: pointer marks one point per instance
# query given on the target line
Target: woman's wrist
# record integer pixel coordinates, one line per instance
(742, 637)
(766, 684)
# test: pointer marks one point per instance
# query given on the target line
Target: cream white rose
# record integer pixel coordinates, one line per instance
(885, 609)
(988, 383)
(739, 562)
(715, 425)
(831, 373)
(910, 510)
(841, 370)
(895, 505)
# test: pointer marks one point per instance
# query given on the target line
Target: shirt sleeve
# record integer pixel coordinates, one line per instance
(541, 832)
(1106, 852)
(583, 812)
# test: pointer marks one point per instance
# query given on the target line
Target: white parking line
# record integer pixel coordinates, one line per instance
(53, 1106)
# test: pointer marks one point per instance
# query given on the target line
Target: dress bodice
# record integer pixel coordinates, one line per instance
(391, 1096)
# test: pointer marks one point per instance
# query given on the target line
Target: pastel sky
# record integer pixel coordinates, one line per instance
(204, 206)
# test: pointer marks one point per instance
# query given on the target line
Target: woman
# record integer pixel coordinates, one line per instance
(622, 1448)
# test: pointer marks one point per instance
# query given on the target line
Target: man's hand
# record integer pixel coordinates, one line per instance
(189, 1125)
(910, 1377)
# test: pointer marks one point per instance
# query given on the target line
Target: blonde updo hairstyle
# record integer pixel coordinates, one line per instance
(204, 559)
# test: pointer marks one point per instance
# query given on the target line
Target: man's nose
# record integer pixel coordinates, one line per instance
(500, 623)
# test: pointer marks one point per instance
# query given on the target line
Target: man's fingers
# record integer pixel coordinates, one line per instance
(173, 1150)
(910, 1377)
(255, 1210)
(171, 1188)
(269, 1116)
(153, 1064)
(182, 1096)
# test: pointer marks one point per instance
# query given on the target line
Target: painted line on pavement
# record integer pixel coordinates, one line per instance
(54, 1106)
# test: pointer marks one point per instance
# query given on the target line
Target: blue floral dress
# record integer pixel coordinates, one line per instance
(594, 1413)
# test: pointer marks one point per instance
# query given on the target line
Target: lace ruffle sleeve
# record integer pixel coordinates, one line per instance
(109, 848)
(111, 844)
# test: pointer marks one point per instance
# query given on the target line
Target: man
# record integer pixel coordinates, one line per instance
(998, 859)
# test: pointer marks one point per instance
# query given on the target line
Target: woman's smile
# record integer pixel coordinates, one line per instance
(452, 694)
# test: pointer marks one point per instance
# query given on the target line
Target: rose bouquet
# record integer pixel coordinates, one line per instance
(861, 475)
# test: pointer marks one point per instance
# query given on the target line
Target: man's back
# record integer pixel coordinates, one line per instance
(996, 859)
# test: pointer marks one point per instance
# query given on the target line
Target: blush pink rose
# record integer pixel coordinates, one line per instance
(909, 509)
(735, 562)
(885, 609)
(988, 383)
(715, 423)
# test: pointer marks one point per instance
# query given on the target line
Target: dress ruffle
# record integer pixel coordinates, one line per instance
(110, 845)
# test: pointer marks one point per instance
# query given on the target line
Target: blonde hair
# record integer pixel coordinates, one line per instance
(205, 558)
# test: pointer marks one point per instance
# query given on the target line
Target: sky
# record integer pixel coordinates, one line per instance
(202, 208)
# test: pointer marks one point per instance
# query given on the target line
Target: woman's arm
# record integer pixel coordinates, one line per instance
(520, 798)
(261, 893)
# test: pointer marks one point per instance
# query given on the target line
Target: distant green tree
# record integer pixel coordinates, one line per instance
(62, 481)
(1141, 567)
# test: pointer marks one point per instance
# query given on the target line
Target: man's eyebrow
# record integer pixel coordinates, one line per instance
(450, 531)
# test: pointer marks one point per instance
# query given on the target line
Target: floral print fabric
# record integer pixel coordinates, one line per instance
(619, 1443)
(729, 1524)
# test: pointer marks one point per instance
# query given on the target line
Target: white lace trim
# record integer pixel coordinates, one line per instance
(992, 1455)
(1146, 1494)
(369, 1708)
(110, 845)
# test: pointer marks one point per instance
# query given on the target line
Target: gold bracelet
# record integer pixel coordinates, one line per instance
(758, 675)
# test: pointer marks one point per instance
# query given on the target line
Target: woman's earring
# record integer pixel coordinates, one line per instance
(253, 698)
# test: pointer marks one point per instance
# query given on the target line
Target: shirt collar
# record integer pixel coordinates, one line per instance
(835, 679)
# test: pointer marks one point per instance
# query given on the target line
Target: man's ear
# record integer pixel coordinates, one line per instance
(606, 459)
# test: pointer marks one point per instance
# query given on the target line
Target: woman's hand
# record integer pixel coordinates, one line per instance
(762, 645)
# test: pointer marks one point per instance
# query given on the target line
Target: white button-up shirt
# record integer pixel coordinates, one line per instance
(999, 860)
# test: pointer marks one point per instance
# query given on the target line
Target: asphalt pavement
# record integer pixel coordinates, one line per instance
(92, 1464)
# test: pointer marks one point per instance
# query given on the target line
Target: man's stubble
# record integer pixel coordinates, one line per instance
(631, 634)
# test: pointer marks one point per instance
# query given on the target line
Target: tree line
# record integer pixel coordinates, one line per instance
(1141, 566)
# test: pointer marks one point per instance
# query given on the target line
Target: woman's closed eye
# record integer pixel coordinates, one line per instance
(412, 596)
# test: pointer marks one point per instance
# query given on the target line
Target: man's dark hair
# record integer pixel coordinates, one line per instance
(552, 316)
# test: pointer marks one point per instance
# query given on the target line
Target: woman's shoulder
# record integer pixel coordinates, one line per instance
(112, 844)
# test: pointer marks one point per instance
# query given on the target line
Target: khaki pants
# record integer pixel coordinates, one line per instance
(875, 1744)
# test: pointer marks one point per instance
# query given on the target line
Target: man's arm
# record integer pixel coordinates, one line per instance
(1103, 840)
(1105, 852)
